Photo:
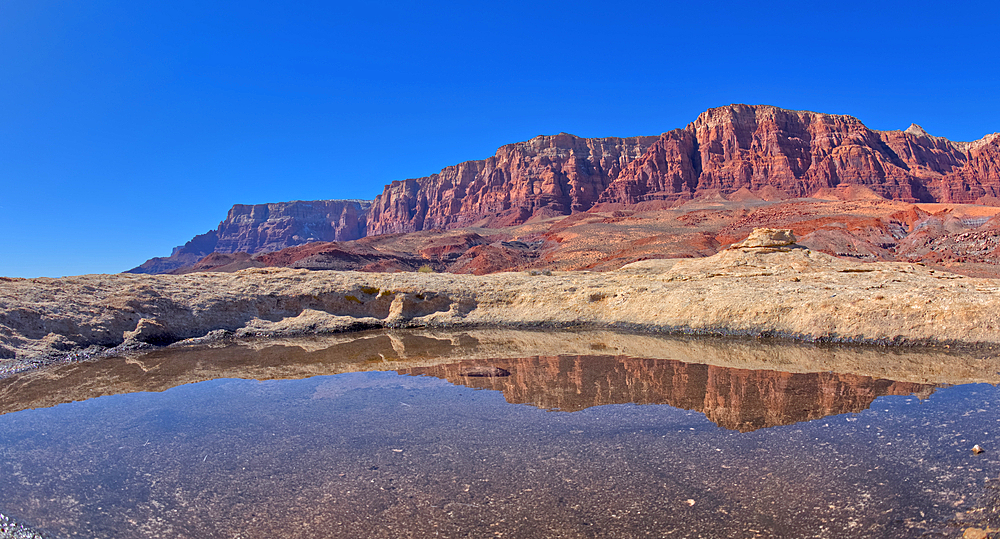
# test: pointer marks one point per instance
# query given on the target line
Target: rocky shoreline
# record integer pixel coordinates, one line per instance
(10, 528)
(763, 287)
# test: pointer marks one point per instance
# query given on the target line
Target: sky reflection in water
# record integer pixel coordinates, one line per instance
(381, 454)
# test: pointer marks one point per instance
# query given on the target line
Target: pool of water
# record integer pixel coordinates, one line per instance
(420, 444)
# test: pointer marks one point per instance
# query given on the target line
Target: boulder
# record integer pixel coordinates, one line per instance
(767, 238)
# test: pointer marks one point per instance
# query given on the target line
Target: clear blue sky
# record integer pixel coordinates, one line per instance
(127, 127)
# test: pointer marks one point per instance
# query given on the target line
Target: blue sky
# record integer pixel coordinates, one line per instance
(128, 127)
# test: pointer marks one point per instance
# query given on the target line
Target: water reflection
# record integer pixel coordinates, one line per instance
(737, 399)
(329, 448)
(401, 350)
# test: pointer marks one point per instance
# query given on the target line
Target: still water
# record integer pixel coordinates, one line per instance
(418, 435)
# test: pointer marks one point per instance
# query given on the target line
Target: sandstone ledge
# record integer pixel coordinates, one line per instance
(794, 293)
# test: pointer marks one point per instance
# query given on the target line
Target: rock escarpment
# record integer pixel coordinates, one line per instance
(547, 175)
(739, 152)
(799, 153)
(758, 149)
(978, 178)
(847, 222)
(269, 227)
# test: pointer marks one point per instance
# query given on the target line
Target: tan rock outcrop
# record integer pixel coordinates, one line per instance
(798, 293)
(767, 238)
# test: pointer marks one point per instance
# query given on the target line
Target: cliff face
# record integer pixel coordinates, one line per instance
(746, 152)
(547, 175)
(794, 151)
(667, 171)
(736, 399)
(799, 153)
(925, 155)
(979, 176)
(269, 227)
(726, 149)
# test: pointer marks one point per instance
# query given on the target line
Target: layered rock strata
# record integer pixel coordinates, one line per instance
(738, 152)
(269, 227)
(755, 147)
(848, 221)
(545, 176)
(759, 149)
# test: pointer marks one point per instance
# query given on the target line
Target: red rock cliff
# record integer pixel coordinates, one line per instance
(798, 152)
(978, 177)
(547, 175)
(725, 149)
(271, 227)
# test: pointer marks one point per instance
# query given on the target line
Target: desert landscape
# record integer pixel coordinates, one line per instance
(567, 203)
(762, 268)
(752, 220)
(764, 286)
(519, 270)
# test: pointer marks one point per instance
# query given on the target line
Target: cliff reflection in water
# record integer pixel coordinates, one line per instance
(741, 385)
(736, 399)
